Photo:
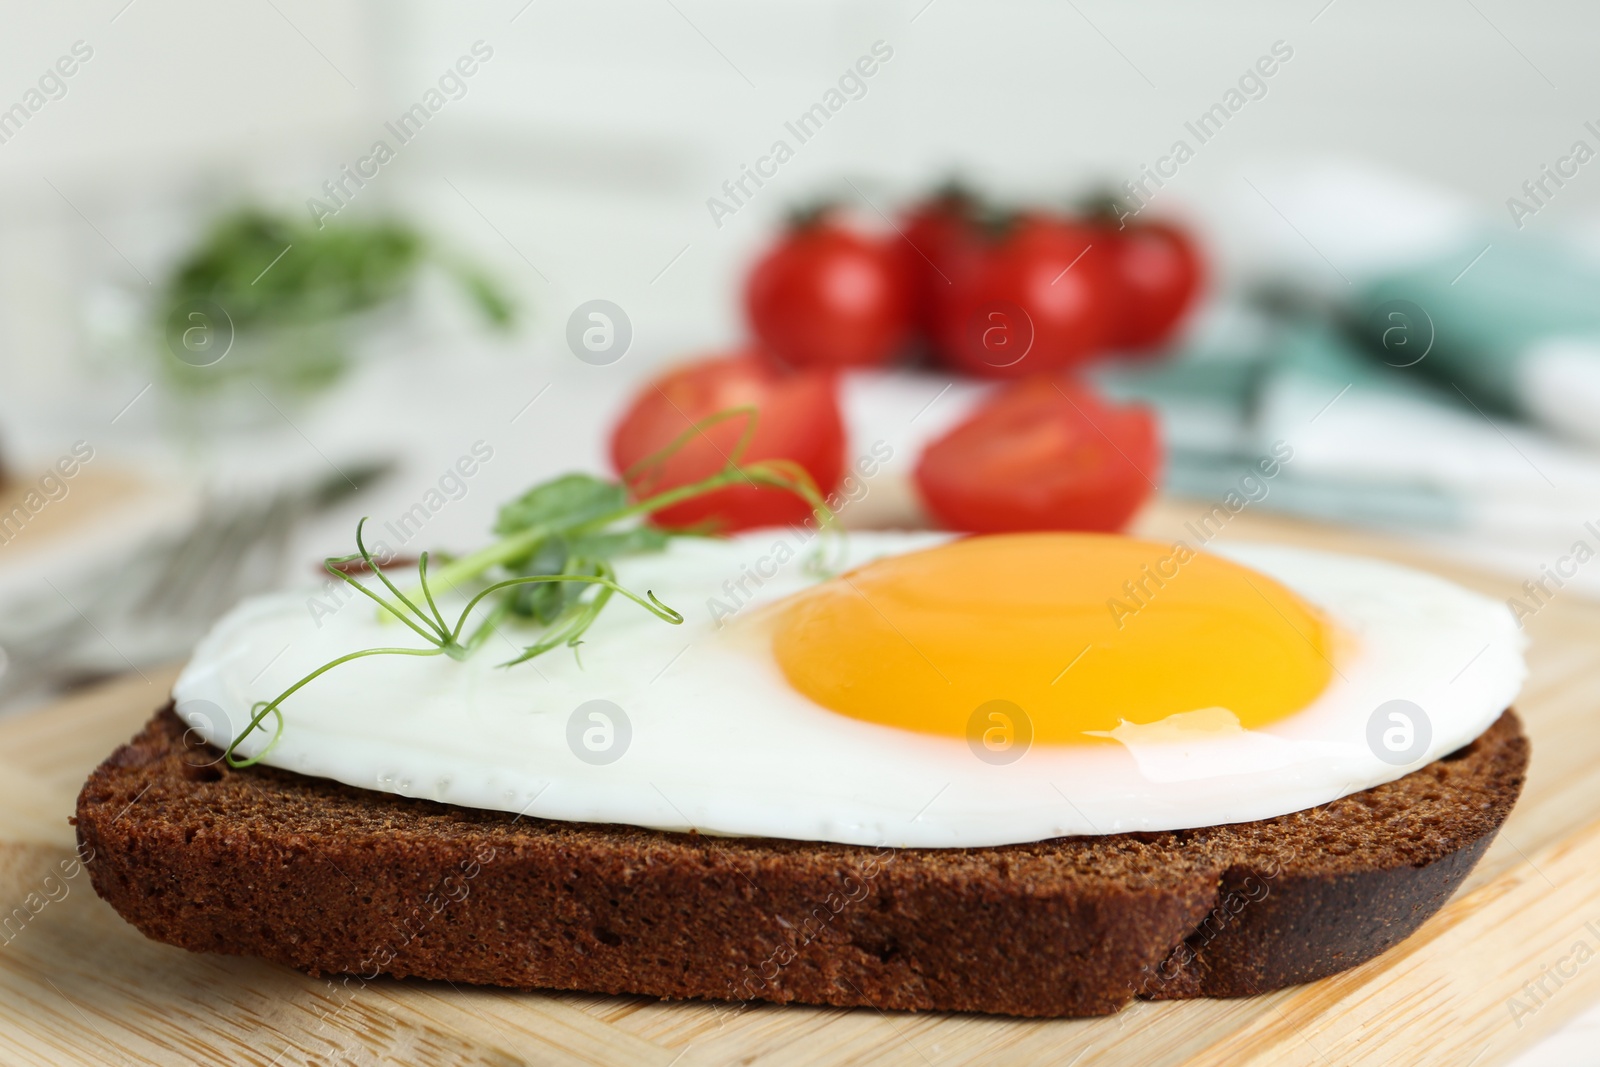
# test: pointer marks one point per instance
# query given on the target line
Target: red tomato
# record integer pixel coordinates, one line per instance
(1159, 270)
(1034, 302)
(1046, 453)
(798, 419)
(827, 296)
(940, 242)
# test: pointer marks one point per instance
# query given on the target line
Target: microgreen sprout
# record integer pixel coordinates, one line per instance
(551, 564)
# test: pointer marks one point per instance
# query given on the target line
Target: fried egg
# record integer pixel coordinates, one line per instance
(921, 691)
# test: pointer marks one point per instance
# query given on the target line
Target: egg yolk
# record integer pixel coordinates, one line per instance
(1080, 631)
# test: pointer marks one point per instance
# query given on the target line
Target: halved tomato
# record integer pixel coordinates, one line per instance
(1047, 453)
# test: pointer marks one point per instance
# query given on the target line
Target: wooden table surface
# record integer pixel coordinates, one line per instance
(1504, 963)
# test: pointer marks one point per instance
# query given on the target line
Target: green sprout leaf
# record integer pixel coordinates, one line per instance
(561, 504)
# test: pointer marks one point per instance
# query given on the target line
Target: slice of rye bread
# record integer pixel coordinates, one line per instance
(335, 879)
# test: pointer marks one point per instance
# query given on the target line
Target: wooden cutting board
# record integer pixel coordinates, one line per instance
(77, 985)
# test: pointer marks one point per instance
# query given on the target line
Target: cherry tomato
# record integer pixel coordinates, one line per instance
(1159, 270)
(1045, 453)
(797, 419)
(827, 296)
(1034, 302)
(940, 242)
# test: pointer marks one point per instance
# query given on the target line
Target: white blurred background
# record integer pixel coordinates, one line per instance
(584, 152)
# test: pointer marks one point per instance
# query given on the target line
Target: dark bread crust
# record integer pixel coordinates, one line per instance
(334, 879)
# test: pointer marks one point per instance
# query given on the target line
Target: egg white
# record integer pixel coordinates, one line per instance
(722, 744)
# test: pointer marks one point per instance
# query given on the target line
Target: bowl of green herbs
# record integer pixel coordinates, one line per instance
(282, 303)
